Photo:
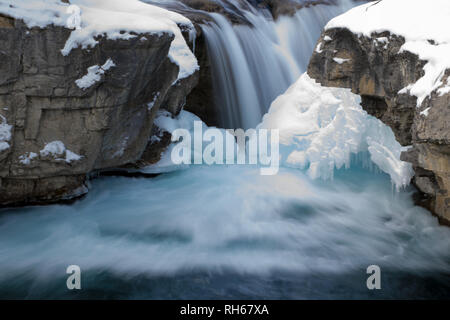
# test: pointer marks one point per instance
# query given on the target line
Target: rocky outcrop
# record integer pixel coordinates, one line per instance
(374, 68)
(62, 119)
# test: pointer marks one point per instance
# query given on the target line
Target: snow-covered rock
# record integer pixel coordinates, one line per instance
(114, 19)
(424, 26)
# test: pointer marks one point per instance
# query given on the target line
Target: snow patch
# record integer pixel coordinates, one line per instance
(445, 89)
(5, 134)
(27, 157)
(94, 75)
(425, 112)
(152, 103)
(340, 60)
(122, 148)
(318, 48)
(418, 23)
(57, 150)
(327, 38)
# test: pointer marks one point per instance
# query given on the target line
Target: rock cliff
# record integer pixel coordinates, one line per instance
(64, 117)
(375, 68)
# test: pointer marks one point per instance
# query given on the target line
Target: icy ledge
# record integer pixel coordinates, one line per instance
(115, 19)
(321, 127)
(423, 24)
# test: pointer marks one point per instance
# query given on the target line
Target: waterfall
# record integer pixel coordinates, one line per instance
(253, 64)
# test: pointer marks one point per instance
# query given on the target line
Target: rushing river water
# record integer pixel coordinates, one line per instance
(226, 231)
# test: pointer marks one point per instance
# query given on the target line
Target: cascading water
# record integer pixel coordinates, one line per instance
(253, 64)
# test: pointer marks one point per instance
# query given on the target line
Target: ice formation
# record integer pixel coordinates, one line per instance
(320, 128)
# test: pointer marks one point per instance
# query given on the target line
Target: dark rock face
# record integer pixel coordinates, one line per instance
(374, 69)
(201, 99)
(108, 124)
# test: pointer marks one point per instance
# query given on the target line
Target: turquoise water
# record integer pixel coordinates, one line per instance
(227, 232)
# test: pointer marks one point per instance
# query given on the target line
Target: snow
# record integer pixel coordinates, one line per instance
(418, 22)
(382, 40)
(425, 112)
(71, 156)
(94, 75)
(5, 134)
(318, 48)
(445, 89)
(340, 60)
(27, 157)
(56, 149)
(320, 128)
(115, 19)
(327, 38)
(122, 147)
(165, 122)
(152, 103)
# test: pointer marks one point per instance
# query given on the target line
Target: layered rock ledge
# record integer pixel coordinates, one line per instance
(375, 68)
(64, 117)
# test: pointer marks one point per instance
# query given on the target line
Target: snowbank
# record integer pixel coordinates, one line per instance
(321, 127)
(423, 24)
(115, 19)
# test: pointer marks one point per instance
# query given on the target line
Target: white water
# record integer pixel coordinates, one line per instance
(252, 65)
